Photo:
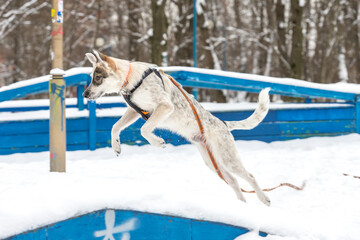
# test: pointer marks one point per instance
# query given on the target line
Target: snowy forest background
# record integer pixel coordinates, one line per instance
(314, 40)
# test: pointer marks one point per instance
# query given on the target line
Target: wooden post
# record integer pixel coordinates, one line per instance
(57, 86)
(80, 99)
(92, 124)
(357, 113)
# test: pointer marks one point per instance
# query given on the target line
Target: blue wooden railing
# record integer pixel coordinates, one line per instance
(200, 78)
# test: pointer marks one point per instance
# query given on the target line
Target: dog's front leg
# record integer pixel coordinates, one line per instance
(161, 112)
(127, 119)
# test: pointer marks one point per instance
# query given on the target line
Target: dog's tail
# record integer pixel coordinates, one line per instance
(255, 118)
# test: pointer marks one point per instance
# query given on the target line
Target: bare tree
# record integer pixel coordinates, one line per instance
(160, 25)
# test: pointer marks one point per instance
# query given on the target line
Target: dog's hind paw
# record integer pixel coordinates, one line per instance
(266, 200)
(115, 144)
(158, 142)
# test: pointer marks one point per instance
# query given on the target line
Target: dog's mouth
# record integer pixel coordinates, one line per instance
(94, 96)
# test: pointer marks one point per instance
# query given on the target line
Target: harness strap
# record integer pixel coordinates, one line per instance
(144, 114)
(201, 127)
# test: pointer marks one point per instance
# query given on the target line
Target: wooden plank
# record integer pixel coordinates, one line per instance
(80, 98)
(40, 140)
(33, 135)
(6, 151)
(202, 80)
(317, 114)
(40, 126)
(293, 128)
(92, 125)
(270, 130)
(43, 87)
(357, 113)
(274, 138)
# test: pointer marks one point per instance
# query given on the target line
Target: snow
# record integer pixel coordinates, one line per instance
(199, 8)
(175, 181)
(343, 73)
(57, 71)
(302, 3)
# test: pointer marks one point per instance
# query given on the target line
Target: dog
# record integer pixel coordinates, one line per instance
(162, 102)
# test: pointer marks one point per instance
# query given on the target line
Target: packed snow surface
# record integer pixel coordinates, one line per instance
(175, 181)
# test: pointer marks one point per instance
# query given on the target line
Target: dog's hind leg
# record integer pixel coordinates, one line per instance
(237, 168)
(161, 112)
(230, 180)
(127, 119)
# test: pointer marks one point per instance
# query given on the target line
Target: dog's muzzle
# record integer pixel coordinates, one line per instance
(86, 94)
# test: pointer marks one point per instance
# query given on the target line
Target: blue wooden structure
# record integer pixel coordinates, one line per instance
(93, 132)
(124, 224)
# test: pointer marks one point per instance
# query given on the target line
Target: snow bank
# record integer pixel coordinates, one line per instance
(175, 181)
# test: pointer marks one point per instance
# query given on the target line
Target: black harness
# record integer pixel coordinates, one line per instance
(127, 96)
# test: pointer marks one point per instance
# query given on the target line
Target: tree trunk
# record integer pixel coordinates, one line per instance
(134, 27)
(356, 9)
(297, 39)
(160, 25)
(182, 52)
(281, 38)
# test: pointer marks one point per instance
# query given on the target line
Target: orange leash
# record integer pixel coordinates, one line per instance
(211, 156)
(201, 127)
(127, 76)
(280, 185)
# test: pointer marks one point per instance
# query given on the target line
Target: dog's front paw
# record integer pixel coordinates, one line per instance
(115, 144)
(157, 142)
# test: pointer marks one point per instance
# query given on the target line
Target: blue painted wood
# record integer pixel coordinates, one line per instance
(202, 80)
(283, 115)
(92, 125)
(80, 98)
(124, 224)
(79, 79)
(36, 108)
(32, 135)
(357, 112)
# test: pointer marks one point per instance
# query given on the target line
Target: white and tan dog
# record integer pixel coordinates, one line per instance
(169, 109)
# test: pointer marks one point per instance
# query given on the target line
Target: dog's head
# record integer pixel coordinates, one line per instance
(104, 77)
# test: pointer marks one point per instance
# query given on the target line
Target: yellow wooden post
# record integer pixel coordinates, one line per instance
(57, 93)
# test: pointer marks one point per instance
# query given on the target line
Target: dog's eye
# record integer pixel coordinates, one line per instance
(97, 78)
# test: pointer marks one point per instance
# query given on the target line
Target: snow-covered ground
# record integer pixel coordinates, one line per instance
(175, 181)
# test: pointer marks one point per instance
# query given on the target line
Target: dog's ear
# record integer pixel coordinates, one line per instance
(98, 56)
(92, 58)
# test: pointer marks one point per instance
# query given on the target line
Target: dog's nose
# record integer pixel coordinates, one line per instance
(86, 94)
